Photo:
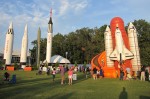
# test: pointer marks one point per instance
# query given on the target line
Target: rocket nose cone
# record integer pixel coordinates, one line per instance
(11, 25)
(107, 28)
(130, 25)
(26, 27)
(117, 30)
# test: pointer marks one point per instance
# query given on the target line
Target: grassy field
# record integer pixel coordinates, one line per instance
(32, 86)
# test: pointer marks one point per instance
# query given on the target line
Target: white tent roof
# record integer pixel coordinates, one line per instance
(58, 59)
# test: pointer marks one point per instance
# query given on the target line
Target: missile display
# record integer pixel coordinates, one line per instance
(38, 47)
(108, 46)
(24, 48)
(49, 39)
(134, 48)
(9, 45)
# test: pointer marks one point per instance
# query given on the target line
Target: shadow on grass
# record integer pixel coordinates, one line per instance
(28, 88)
(23, 82)
(123, 94)
(80, 78)
(144, 97)
(32, 87)
(58, 96)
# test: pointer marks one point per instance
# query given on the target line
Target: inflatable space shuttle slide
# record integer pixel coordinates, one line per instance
(121, 50)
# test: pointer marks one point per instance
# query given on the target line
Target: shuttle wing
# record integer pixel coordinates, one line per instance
(113, 55)
(128, 54)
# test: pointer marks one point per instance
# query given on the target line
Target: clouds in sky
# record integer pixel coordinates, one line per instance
(68, 15)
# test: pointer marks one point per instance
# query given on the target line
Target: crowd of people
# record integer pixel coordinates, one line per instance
(142, 75)
(94, 73)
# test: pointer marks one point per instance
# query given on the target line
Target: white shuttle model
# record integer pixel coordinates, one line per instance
(24, 48)
(120, 53)
(9, 45)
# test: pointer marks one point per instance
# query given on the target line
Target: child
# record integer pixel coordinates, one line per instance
(6, 75)
(54, 73)
(101, 73)
(70, 73)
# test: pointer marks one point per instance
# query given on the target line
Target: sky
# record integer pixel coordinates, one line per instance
(68, 16)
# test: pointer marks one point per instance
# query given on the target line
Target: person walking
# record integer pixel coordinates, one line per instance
(95, 74)
(121, 74)
(101, 73)
(142, 73)
(70, 74)
(62, 73)
(54, 73)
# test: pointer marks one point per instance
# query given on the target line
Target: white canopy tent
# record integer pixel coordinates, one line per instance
(58, 59)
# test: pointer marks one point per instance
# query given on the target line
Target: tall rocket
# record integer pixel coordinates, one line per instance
(134, 48)
(9, 45)
(38, 46)
(49, 39)
(24, 48)
(108, 46)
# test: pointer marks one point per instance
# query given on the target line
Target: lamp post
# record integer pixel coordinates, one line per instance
(66, 54)
(29, 58)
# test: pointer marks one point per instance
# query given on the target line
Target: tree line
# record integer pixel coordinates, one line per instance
(83, 44)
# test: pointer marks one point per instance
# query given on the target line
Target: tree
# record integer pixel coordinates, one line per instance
(143, 29)
(85, 43)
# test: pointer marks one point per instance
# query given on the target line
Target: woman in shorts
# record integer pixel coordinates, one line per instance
(70, 74)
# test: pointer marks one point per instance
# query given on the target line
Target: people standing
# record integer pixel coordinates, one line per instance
(48, 70)
(101, 73)
(54, 73)
(87, 72)
(143, 73)
(6, 75)
(121, 74)
(70, 74)
(94, 73)
(62, 73)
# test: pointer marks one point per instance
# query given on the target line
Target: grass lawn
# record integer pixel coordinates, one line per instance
(32, 86)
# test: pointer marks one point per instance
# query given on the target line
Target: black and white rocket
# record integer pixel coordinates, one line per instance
(9, 45)
(24, 48)
(49, 40)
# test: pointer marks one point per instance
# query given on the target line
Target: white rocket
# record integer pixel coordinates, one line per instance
(108, 46)
(133, 42)
(120, 53)
(24, 48)
(9, 45)
(49, 40)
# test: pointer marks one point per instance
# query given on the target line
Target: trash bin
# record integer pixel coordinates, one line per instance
(74, 76)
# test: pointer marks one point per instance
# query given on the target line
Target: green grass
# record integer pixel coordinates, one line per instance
(32, 86)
